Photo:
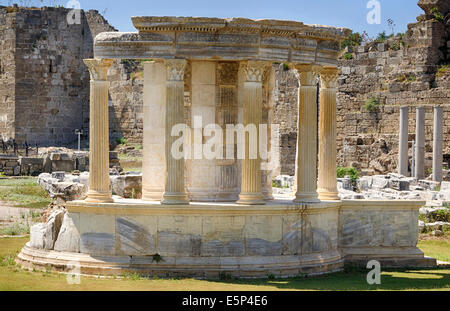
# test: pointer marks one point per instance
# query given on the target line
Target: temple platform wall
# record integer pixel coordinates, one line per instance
(208, 240)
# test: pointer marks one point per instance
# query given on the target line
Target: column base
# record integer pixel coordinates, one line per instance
(175, 199)
(152, 196)
(99, 197)
(251, 199)
(329, 196)
(312, 197)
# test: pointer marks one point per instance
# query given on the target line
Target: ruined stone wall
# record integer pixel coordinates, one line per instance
(7, 74)
(126, 110)
(405, 70)
(51, 82)
(285, 114)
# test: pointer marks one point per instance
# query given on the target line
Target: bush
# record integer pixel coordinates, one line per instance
(372, 104)
(437, 15)
(286, 67)
(442, 70)
(122, 141)
(381, 37)
(348, 171)
(354, 39)
(348, 56)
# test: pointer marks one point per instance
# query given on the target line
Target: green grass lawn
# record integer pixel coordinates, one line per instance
(14, 279)
(439, 249)
(23, 193)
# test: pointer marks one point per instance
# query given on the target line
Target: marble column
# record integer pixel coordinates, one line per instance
(202, 180)
(154, 160)
(99, 186)
(251, 189)
(403, 144)
(175, 190)
(438, 158)
(327, 135)
(420, 143)
(307, 136)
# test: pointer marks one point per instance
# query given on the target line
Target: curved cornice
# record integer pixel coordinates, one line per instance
(224, 39)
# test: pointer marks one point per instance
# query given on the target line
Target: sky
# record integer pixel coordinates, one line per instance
(340, 13)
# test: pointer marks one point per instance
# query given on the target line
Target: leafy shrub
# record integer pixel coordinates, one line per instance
(348, 171)
(381, 37)
(372, 104)
(122, 141)
(348, 56)
(443, 69)
(354, 39)
(437, 15)
(286, 67)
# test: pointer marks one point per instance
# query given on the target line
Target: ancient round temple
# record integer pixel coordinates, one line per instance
(204, 217)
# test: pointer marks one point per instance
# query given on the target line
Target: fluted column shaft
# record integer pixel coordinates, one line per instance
(307, 136)
(403, 144)
(251, 189)
(99, 189)
(438, 145)
(175, 190)
(420, 143)
(327, 135)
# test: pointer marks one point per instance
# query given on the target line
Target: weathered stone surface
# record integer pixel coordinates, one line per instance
(133, 239)
(400, 185)
(44, 236)
(377, 228)
(260, 247)
(68, 191)
(43, 76)
(127, 186)
(60, 176)
(97, 244)
(69, 236)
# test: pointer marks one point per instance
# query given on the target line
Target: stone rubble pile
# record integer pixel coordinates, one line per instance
(435, 215)
(65, 187)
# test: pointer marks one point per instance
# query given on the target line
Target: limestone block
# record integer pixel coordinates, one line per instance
(132, 238)
(69, 236)
(175, 244)
(429, 185)
(127, 186)
(292, 235)
(445, 186)
(260, 247)
(380, 182)
(39, 237)
(97, 244)
(68, 191)
(400, 185)
(215, 248)
(43, 236)
(60, 176)
(345, 183)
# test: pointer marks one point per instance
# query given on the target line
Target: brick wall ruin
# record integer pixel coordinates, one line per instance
(44, 89)
(404, 70)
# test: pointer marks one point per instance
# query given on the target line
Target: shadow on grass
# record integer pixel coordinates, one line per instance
(356, 280)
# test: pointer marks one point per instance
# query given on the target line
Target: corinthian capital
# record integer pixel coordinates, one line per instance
(329, 77)
(98, 68)
(254, 71)
(307, 74)
(175, 69)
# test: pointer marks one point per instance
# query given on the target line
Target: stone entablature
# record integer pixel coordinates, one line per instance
(224, 39)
